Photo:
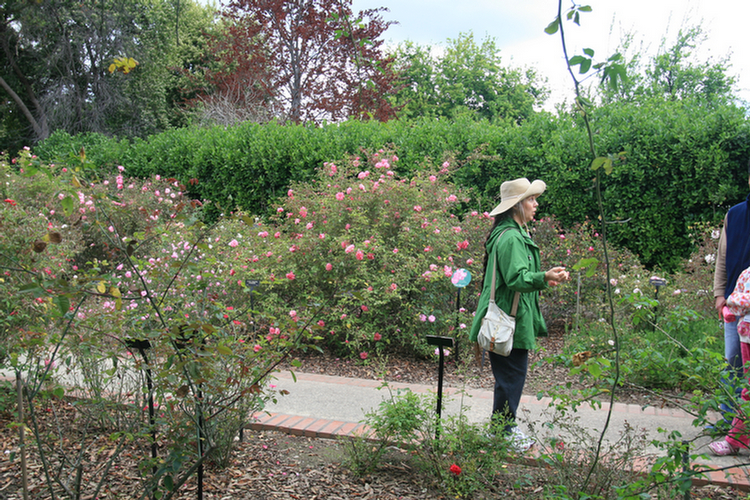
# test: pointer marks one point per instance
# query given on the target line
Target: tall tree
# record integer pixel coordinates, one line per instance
(56, 55)
(674, 73)
(303, 60)
(467, 78)
(20, 105)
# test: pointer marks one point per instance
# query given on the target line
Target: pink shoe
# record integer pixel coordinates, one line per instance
(723, 449)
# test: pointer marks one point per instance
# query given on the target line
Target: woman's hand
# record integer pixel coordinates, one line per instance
(719, 304)
(556, 275)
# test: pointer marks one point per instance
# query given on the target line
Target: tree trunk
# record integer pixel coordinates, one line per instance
(40, 127)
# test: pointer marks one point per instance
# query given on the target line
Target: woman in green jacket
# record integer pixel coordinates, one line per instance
(518, 270)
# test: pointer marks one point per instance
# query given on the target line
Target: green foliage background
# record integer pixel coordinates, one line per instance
(684, 162)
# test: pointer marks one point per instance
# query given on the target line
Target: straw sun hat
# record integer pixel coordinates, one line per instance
(511, 192)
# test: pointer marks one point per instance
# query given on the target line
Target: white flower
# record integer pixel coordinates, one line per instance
(715, 234)
(710, 258)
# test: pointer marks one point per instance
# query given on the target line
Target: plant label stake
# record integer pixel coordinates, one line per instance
(141, 345)
(657, 283)
(460, 278)
(440, 342)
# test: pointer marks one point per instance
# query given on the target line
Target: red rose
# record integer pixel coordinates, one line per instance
(455, 469)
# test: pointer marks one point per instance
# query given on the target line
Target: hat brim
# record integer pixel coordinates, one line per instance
(535, 189)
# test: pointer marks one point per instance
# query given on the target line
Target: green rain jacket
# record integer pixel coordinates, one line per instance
(518, 270)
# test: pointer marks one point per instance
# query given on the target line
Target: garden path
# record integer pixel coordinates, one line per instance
(325, 406)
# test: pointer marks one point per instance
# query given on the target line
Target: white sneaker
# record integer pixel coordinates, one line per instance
(519, 441)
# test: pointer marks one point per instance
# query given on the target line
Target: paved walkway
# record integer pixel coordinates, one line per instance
(326, 407)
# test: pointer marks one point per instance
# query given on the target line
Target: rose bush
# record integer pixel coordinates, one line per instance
(38, 243)
(378, 250)
(145, 291)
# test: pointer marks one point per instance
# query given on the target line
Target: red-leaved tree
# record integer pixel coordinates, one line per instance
(299, 60)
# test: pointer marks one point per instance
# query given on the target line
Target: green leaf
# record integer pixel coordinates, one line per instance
(585, 66)
(59, 392)
(595, 370)
(598, 163)
(224, 350)
(589, 264)
(585, 8)
(583, 102)
(31, 288)
(589, 52)
(575, 60)
(63, 304)
(68, 205)
(614, 73)
(552, 27)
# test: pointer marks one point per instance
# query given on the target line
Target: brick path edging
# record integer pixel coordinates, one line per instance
(735, 477)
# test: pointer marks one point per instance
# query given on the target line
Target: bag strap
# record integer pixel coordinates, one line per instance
(514, 308)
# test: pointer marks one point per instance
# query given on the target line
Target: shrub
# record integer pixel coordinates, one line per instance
(677, 171)
(378, 251)
(461, 458)
(583, 299)
(153, 275)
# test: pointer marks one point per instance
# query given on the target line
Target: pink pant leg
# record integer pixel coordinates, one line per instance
(738, 436)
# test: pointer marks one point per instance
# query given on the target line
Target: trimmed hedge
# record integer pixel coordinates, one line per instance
(685, 163)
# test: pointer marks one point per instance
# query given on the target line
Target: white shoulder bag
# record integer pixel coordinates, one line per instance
(496, 332)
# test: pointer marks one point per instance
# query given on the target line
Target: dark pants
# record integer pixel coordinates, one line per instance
(510, 377)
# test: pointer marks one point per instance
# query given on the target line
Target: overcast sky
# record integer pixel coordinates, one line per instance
(518, 29)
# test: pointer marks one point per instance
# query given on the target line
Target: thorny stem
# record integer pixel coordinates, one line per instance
(42, 454)
(600, 206)
(40, 380)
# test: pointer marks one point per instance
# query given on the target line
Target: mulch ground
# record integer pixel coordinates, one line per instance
(269, 465)
(543, 373)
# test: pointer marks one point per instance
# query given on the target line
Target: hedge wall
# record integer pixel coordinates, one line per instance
(684, 163)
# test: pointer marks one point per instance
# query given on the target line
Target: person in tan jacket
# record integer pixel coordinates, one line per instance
(732, 257)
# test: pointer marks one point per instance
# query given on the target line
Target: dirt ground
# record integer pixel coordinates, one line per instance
(270, 465)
